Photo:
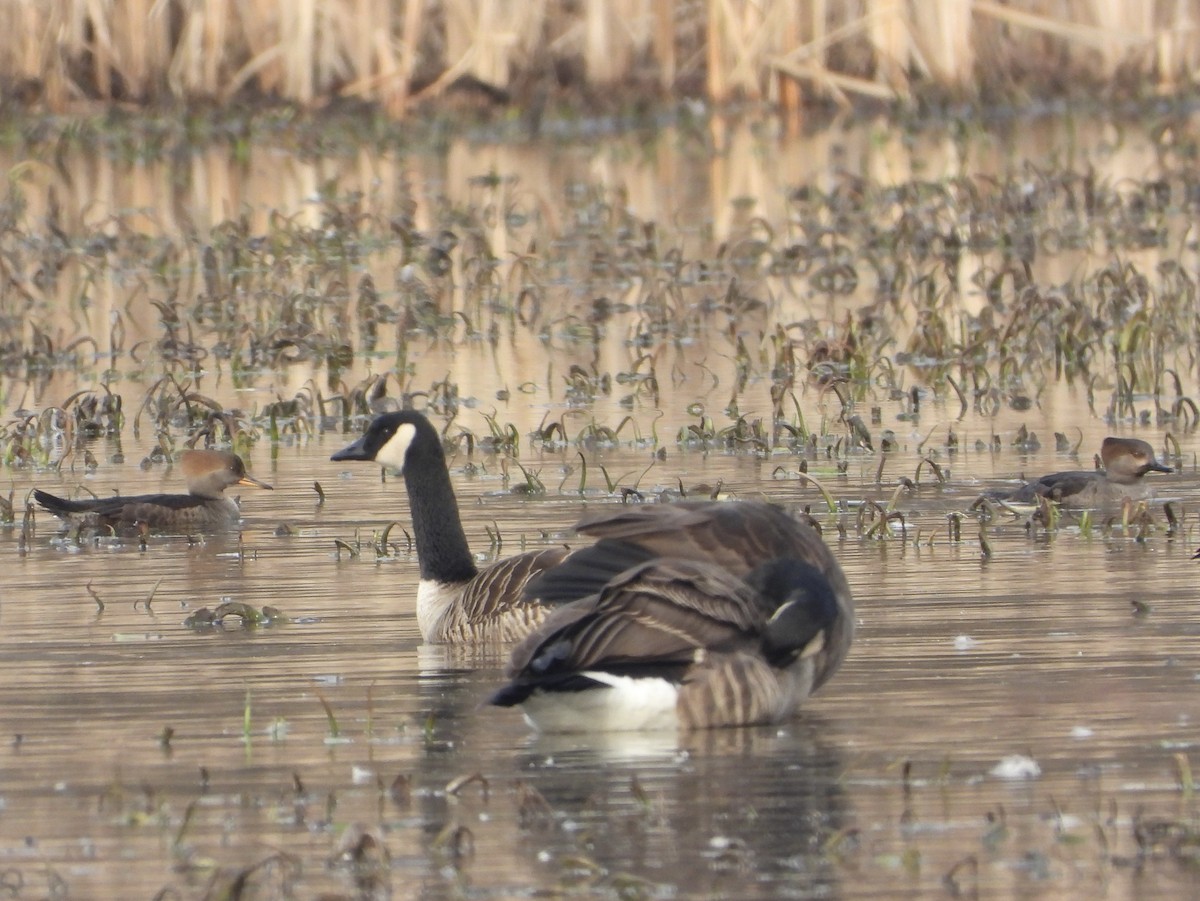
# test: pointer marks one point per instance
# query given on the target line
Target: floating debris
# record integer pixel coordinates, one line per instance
(233, 615)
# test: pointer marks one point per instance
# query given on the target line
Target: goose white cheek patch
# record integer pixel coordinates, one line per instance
(393, 453)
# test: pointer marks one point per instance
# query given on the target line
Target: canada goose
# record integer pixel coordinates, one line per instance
(204, 507)
(456, 601)
(1126, 462)
(713, 636)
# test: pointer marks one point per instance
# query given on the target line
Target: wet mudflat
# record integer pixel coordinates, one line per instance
(1017, 714)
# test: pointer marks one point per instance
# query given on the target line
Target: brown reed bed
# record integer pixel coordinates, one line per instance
(593, 55)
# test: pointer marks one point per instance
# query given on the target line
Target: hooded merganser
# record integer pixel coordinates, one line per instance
(204, 507)
(1126, 462)
(682, 642)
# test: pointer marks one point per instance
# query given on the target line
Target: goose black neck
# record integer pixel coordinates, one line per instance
(442, 549)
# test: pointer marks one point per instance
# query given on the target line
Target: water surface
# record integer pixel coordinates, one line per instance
(881, 787)
(335, 755)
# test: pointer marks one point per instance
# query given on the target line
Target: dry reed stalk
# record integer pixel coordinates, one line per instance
(215, 44)
(376, 71)
(478, 37)
(941, 34)
(460, 48)
(258, 31)
(370, 54)
(459, 17)
(888, 33)
(808, 63)
(362, 43)
(718, 83)
(752, 33)
(34, 56)
(818, 27)
(130, 43)
(664, 41)
(814, 37)
(73, 28)
(735, 30)
(336, 27)
(1075, 32)
(1177, 51)
(491, 40)
(15, 56)
(100, 46)
(605, 54)
(531, 30)
(196, 64)
(743, 40)
(38, 25)
(381, 68)
(789, 33)
(614, 31)
(836, 85)
(1119, 21)
(410, 42)
(182, 73)
(143, 44)
(297, 36)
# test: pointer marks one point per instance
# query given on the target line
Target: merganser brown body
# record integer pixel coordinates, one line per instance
(204, 508)
(1126, 463)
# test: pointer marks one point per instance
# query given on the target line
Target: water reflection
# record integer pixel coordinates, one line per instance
(688, 202)
(726, 811)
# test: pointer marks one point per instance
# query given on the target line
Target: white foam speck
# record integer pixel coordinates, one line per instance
(1016, 766)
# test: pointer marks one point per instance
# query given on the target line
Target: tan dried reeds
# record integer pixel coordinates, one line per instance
(391, 52)
(741, 38)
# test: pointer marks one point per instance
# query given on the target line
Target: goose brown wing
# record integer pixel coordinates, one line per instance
(500, 588)
(659, 613)
(736, 535)
(586, 571)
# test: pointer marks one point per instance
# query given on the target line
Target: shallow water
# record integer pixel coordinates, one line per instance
(335, 755)
(882, 787)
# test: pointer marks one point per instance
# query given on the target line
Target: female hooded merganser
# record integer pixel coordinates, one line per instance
(1126, 462)
(203, 508)
(456, 601)
(689, 641)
